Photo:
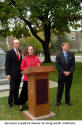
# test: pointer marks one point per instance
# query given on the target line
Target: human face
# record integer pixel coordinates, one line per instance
(30, 50)
(16, 44)
(65, 47)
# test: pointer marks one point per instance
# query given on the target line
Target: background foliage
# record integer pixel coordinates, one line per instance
(17, 17)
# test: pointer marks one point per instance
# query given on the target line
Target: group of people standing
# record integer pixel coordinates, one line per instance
(17, 61)
(14, 64)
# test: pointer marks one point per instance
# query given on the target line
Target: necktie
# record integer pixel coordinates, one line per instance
(66, 57)
(18, 55)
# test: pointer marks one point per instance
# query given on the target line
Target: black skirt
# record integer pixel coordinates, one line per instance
(24, 93)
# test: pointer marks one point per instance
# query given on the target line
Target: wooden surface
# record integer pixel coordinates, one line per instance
(41, 69)
(34, 109)
(41, 73)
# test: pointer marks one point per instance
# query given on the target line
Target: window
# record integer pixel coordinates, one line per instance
(73, 37)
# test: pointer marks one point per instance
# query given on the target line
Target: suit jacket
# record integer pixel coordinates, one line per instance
(62, 65)
(12, 64)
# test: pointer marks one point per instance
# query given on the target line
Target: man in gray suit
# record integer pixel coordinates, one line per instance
(65, 62)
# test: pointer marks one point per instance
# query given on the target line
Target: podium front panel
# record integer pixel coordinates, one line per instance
(41, 91)
(37, 85)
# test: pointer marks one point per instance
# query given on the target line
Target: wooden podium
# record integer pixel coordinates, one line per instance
(38, 93)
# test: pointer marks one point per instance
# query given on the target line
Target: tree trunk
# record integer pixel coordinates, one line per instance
(46, 52)
(45, 44)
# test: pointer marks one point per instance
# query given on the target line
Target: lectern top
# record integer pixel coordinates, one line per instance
(41, 69)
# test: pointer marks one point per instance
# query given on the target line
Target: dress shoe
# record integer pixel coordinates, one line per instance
(57, 104)
(10, 105)
(69, 104)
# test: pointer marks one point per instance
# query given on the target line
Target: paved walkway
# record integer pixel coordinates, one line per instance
(53, 58)
(6, 93)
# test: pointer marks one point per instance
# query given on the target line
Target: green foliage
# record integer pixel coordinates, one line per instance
(2, 43)
(56, 42)
(40, 15)
(32, 41)
(4, 46)
(60, 40)
(5, 31)
(20, 31)
(60, 13)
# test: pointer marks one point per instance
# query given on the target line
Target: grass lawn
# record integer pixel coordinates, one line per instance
(78, 54)
(63, 112)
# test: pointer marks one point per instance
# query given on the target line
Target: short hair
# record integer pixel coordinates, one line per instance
(63, 43)
(15, 39)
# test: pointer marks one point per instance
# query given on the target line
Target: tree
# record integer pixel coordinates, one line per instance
(2, 43)
(32, 41)
(60, 40)
(41, 15)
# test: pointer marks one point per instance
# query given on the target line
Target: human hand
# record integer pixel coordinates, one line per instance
(66, 73)
(38, 64)
(8, 77)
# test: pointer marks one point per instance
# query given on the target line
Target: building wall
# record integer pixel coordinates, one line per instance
(76, 38)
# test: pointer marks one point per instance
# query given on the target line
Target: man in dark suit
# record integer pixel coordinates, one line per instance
(12, 67)
(65, 62)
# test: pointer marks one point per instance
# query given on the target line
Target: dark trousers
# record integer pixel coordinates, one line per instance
(14, 90)
(24, 93)
(67, 81)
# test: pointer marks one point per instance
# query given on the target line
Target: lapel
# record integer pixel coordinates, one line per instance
(14, 54)
(68, 57)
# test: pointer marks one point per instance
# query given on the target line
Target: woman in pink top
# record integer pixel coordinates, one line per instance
(28, 61)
